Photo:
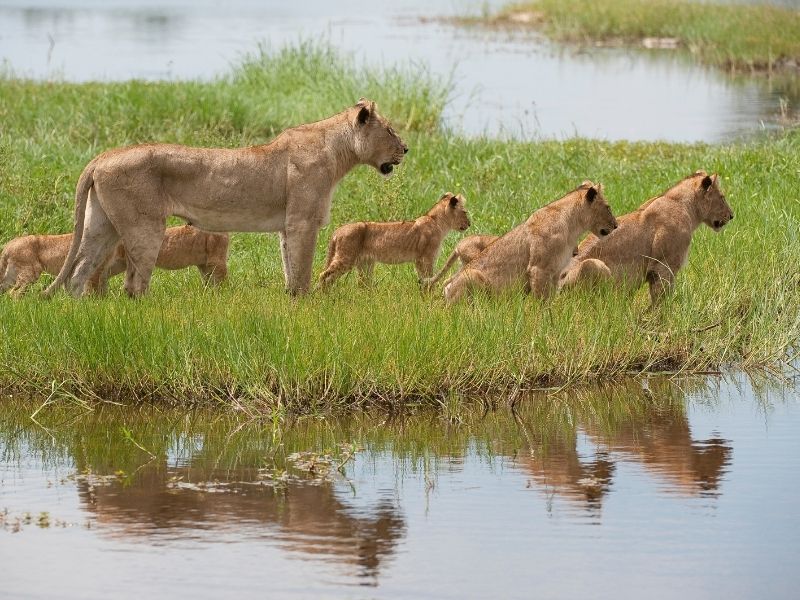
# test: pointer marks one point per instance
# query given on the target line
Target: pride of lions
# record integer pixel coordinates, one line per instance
(124, 197)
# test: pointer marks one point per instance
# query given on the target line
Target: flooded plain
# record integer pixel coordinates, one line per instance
(658, 489)
(501, 83)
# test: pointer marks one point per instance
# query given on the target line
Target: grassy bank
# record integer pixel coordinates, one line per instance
(734, 36)
(249, 344)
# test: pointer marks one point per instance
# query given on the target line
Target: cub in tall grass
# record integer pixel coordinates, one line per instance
(535, 253)
(361, 245)
(652, 243)
(25, 258)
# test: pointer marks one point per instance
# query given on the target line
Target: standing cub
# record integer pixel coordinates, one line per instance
(363, 244)
(535, 253)
(25, 258)
(652, 243)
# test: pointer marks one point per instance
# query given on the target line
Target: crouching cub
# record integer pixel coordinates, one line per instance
(25, 258)
(535, 253)
(361, 245)
(652, 243)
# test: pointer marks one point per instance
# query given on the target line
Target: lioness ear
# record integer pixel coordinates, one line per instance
(453, 201)
(591, 194)
(707, 182)
(363, 115)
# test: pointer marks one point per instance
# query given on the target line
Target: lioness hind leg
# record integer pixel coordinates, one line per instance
(98, 240)
(141, 248)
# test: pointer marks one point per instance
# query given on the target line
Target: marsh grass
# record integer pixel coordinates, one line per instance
(735, 36)
(249, 346)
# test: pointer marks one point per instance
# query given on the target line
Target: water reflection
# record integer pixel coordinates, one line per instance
(652, 464)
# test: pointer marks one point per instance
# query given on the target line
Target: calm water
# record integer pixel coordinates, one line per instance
(501, 84)
(684, 490)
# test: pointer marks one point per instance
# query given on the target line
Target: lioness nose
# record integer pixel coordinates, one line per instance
(405, 149)
(731, 217)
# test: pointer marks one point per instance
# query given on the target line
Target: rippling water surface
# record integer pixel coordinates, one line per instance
(501, 84)
(683, 489)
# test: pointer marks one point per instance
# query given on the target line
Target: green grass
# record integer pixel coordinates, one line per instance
(734, 36)
(249, 344)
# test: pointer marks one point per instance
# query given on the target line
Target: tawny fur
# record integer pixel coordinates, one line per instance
(24, 259)
(652, 243)
(284, 186)
(361, 245)
(466, 251)
(533, 254)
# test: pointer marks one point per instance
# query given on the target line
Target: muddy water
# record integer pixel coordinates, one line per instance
(501, 84)
(683, 489)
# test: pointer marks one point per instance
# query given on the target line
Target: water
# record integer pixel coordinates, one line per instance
(501, 84)
(686, 489)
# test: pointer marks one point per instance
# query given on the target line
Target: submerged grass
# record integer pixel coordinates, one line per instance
(250, 346)
(736, 36)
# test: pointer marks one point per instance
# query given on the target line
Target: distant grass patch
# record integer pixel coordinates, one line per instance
(734, 36)
(734, 305)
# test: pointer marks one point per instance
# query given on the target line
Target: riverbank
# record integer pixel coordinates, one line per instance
(249, 344)
(736, 37)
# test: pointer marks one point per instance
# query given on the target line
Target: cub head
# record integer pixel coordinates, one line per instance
(711, 204)
(602, 221)
(453, 207)
(375, 141)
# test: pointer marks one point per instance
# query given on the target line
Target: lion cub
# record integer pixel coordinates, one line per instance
(652, 243)
(535, 253)
(363, 244)
(25, 258)
(466, 251)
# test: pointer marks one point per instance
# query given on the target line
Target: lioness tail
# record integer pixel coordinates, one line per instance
(85, 183)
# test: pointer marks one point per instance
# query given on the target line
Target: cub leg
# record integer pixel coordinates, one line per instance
(365, 269)
(424, 265)
(9, 278)
(213, 273)
(591, 270)
(25, 278)
(540, 282)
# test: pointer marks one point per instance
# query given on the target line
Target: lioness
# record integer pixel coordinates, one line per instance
(363, 244)
(652, 243)
(284, 186)
(537, 251)
(25, 258)
(466, 250)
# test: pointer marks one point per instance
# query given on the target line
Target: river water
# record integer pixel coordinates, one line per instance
(500, 83)
(659, 489)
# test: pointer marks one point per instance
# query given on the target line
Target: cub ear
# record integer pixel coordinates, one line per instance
(707, 182)
(363, 115)
(453, 201)
(591, 194)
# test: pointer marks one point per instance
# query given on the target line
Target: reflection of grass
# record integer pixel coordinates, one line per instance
(734, 36)
(735, 304)
(230, 446)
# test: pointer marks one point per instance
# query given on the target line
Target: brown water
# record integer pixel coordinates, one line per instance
(500, 84)
(682, 489)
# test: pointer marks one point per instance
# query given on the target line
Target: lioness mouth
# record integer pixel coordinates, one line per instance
(387, 168)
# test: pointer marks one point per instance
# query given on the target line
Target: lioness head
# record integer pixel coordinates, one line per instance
(376, 143)
(602, 219)
(711, 204)
(453, 207)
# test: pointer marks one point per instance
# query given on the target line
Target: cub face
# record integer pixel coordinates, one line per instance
(713, 208)
(602, 220)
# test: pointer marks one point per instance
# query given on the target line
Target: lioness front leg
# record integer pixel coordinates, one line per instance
(301, 241)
